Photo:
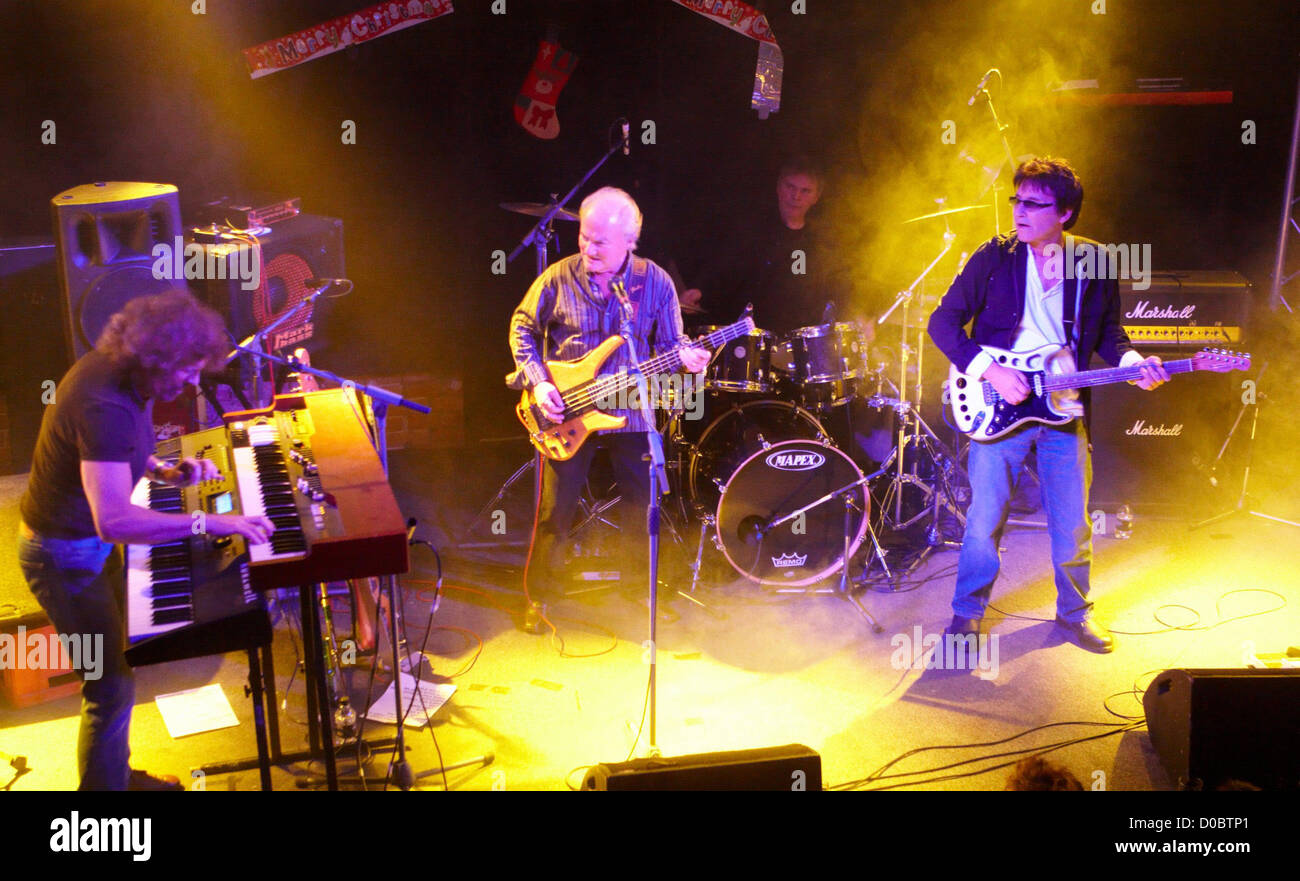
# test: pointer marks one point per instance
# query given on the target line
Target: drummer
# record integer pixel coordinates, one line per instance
(781, 263)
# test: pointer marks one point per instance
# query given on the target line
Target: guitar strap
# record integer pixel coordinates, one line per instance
(1069, 311)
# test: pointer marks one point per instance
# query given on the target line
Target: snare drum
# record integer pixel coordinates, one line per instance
(742, 365)
(827, 361)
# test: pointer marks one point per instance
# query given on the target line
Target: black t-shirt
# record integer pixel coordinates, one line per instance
(787, 274)
(96, 416)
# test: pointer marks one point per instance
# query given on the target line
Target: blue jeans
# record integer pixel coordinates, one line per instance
(1064, 473)
(73, 580)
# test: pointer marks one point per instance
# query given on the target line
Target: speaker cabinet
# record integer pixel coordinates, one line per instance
(779, 768)
(32, 344)
(1211, 726)
(1154, 450)
(106, 233)
(287, 254)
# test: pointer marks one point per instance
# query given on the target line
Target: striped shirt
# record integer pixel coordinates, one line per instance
(562, 318)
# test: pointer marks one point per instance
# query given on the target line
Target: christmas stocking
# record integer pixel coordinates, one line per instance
(535, 103)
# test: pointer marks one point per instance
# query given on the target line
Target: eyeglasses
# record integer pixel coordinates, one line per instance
(1029, 203)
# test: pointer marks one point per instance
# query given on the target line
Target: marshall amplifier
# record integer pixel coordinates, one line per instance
(1154, 450)
(1187, 309)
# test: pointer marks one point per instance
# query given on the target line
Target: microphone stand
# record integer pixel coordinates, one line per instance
(540, 235)
(1006, 148)
(844, 589)
(658, 476)
(253, 345)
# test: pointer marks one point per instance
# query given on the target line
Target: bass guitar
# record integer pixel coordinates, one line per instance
(583, 392)
(982, 413)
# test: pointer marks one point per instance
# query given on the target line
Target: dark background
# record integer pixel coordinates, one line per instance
(146, 90)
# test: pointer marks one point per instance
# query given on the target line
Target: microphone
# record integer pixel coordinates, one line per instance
(984, 82)
(828, 313)
(319, 284)
(627, 143)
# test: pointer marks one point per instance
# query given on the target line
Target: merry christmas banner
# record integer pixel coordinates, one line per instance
(306, 45)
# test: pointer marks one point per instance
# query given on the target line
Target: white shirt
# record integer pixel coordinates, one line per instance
(1041, 323)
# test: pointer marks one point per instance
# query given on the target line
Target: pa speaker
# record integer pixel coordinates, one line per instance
(1212, 726)
(106, 233)
(779, 768)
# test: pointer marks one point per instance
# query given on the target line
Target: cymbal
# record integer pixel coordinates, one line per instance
(947, 211)
(537, 209)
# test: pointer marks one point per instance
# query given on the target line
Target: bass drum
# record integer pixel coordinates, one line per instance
(732, 436)
(775, 482)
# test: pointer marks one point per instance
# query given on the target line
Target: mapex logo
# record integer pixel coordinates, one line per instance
(800, 460)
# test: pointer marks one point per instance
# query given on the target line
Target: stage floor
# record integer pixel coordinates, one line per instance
(739, 667)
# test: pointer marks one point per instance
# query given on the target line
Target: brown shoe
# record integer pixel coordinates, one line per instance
(1088, 634)
(143, 781)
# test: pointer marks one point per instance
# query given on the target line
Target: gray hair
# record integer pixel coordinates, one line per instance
(627, 209)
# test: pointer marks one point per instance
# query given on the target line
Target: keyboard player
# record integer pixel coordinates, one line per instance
(96, 442)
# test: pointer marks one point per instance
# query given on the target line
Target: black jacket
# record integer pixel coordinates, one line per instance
(991, 290)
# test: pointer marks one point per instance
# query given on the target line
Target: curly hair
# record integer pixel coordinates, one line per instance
(162, 332)
(1058, 178)
(1036, 774)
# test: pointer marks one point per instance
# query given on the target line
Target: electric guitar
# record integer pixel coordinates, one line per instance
(984, 414)
(583, 392)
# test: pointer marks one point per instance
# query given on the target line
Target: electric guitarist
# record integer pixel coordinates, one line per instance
(569, 310)
(1019, 295)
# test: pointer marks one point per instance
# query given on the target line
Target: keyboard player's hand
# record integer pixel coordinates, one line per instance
(256, 529)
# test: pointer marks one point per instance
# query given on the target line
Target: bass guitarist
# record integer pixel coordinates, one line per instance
(573, 306)
(1017, 292)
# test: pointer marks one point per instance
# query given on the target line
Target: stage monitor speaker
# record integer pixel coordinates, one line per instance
(1153, 450)
(287, 253)
(779, 768)
(1212, 726)
(106, 233)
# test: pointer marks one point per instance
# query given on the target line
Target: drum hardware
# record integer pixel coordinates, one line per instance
(913, 432)
(825, 362)
(946, 211)
(742, 366)
(917, 436)
(541, 209)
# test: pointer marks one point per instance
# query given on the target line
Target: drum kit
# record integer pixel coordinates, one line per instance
(770, 468)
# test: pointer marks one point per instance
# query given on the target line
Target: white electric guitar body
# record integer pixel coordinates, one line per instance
(982, 413)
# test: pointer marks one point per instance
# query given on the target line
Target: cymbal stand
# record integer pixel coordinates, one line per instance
(904, 299)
